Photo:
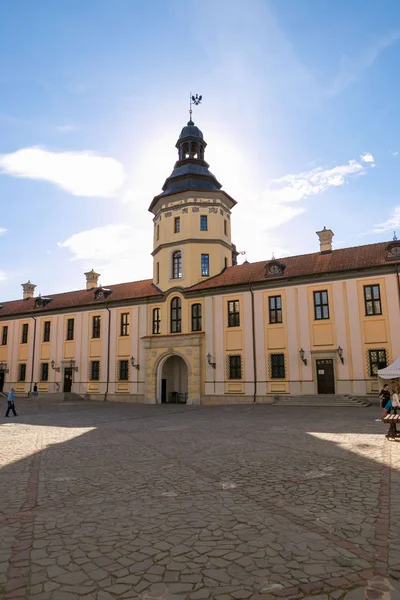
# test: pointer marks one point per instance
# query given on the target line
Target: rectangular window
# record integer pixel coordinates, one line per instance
(278, 366)
(156, 329)
(70, 329)
(235, 367)
(205, 265)
(123, 370)
(225, 227)
(196, 317)
(4, 335)
(158, 232)
(176, 315)
(225, 263)
(275, 309)
(46, 331)
(203, 223)
(124, 330)
(233, 313)
(22, 372)
(95, 370)
(157, 273)
(44, 374)
(177, 225)
(24, 337)
(377, 360)
(96, 327)
(372, 300)
(321, 306)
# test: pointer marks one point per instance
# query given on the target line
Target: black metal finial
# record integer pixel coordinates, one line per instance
(196, 100)
(394, 236)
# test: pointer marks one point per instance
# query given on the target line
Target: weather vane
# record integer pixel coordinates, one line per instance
(196, 100)
(394, 236)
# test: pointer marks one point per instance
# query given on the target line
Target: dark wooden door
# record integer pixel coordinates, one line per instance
(1, 380)
(163, 391)
(325, 376)
(67, 380)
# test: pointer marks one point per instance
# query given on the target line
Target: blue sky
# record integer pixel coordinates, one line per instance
(300, 113)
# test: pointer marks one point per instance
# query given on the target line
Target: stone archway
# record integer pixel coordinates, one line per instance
(158, 349)
(173, 380)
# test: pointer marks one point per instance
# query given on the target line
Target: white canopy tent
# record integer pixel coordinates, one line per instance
(392, 371)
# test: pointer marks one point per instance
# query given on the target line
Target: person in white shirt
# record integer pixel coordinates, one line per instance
(395, 400)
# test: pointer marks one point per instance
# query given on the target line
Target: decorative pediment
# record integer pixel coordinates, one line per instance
(274, 268)
(393, 250)
(102, 293)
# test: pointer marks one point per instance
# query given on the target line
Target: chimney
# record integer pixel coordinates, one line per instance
(29, 289)
(91, 279)
(325, 240)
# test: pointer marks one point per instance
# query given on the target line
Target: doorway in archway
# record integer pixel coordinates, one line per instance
(174, 381)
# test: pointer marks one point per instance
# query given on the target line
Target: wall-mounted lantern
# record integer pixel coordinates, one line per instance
(302, 356)
(210, 362)
(135, 366)
(340, 353)
(53, 366)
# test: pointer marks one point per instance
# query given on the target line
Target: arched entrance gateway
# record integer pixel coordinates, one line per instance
(173, 380)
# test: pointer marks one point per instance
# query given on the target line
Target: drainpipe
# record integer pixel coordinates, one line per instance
(108, 353)
(33, 353)
(398, 281)
(254, 343)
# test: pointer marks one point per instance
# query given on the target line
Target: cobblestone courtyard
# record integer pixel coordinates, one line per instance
(101, 501)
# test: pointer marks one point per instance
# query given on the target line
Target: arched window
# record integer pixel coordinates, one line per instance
(176, 318)
(177, 265)
(196, 317)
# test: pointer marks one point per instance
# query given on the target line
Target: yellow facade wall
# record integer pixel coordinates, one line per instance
(234, 344)
(276, 342)
(374, 329)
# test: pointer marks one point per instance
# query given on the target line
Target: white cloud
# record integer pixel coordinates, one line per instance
(3, 230)
(392, 223)
(67, 128)
(119, 252)
(395, 153)
(295, 187)
(367, 158)
(80, 173)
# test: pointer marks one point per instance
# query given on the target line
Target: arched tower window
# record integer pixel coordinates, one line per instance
(176, 315)
(177, 265)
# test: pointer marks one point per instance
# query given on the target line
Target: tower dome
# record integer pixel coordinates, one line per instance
(191, 170)
(190, 130)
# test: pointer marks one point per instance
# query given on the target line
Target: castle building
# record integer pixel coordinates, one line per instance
(205, 329)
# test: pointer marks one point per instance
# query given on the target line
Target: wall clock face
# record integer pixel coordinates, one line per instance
(275, 269)
(395, 251)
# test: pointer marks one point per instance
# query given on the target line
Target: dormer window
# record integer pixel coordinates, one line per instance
(393, 251)
(41, 302)
(102, 294)
(274, 268)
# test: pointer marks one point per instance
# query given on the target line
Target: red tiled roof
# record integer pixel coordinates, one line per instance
(345, 259)
(81, 298)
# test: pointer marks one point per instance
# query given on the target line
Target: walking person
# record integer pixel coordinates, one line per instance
(396, 400)
(384, 396)
(35, 390)
(11, 403)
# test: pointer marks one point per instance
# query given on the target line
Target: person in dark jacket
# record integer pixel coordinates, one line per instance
(35, 391)
(384, 396)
